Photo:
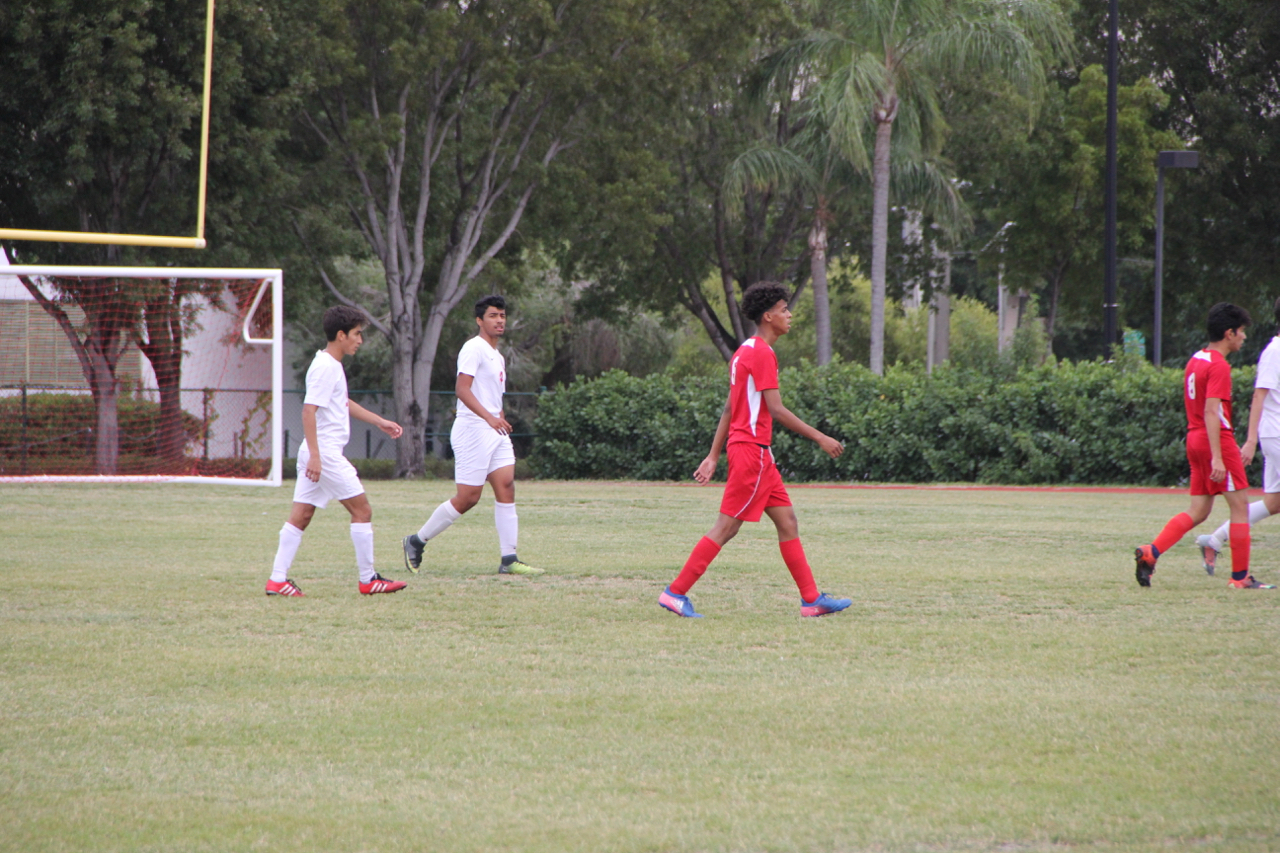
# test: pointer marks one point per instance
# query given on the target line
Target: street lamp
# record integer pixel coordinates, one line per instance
(1165, 160)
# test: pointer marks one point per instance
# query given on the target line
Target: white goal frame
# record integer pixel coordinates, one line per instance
(273, 278)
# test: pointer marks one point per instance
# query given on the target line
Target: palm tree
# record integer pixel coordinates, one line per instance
(878, 65)
(828, 172)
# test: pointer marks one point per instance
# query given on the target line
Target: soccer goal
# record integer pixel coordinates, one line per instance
(129, 374)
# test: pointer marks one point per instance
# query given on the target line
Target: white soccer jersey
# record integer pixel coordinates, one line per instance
(1269, 377)
(489, 371)
(327, 390)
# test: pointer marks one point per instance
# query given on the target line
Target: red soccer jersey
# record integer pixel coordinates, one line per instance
(1208, 375)
(753, 369)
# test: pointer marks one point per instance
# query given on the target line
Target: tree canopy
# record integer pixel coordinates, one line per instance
(446, 142)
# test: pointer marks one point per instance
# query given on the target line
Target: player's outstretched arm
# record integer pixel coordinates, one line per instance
(788, 419)
(360, 413)
(707, 469)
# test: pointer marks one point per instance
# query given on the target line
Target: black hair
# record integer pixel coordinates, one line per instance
(494, 301)
(1225, 316)
(760, 297)
(342, 318)
(1278, 312)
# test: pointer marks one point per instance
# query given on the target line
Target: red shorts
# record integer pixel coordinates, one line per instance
(754, 482)
(1201, 459)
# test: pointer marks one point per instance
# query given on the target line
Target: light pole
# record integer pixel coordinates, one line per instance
(1110, 312)
(1164, 160)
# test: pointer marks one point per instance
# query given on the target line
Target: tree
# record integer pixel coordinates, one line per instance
(109, 317)
(1218, 62)
(719, 231)
(1054, 182)
(829, 172)
(99, 128)
(433, 129)
(881, 64)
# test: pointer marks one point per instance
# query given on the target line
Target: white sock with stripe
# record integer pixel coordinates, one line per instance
(362, 538)
(439, 521)
(508, 524)
(290, 539)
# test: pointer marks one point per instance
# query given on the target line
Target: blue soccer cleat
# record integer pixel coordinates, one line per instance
(822, 605)
(680, 605)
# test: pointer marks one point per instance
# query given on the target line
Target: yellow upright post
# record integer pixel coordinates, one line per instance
(196, 242)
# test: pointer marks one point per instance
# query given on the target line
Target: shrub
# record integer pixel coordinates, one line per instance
(1065, 423)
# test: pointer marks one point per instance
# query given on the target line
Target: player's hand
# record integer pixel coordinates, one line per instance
(313, 469)
(501, 426)
(1248, 449)
(391, 428)
(1217, 471)
(830, 446)
(706, 470)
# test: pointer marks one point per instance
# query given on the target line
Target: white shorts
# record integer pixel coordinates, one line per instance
(338, 480)
(478, 451)
(1270, 464)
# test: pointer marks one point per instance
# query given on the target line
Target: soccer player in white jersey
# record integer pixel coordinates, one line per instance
(1264, 430)
(481, 438)
(324, 474)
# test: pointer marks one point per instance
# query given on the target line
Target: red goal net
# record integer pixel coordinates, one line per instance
(128, 373)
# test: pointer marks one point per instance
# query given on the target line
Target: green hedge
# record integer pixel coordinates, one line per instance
(58, 425)
(1066, 423)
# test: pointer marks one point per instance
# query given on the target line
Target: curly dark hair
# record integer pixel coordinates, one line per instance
(762, 296)
(342, 318)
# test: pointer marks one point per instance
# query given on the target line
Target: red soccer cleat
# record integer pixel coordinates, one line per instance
(285, 587)
(1250, 583)
(378, 584)
(1145, 558)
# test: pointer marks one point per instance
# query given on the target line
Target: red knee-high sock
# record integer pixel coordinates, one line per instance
(1173, 531)
(793, 556)
(703, 553)
(1239, 551)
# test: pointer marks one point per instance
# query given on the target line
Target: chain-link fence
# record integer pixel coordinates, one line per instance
(55, 430)
(369, 442)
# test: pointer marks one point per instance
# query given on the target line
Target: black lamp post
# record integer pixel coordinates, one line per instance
(1164, 160)
(1110, 310)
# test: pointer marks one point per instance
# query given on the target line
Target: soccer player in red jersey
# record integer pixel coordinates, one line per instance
(1217, 467)
(755, 486)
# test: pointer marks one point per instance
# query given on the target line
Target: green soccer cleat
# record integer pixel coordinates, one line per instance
(516, 567)
(413, 547)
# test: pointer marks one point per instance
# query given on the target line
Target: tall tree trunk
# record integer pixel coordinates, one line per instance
(884, 116)
(163, 349)
(106, 399)
(1055, 294)
(98, 355)
(412, 400)
(818, 272)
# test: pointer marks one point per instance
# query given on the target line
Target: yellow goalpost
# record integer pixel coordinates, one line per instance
(196, 242)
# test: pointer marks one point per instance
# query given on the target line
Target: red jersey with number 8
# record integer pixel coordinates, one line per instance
(1208, 375)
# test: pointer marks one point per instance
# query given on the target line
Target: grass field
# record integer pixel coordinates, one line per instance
(1001, 683)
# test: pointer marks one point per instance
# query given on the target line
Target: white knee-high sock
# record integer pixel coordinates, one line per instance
(362, 538)
(439, 521)
(290, 539)
(508, 524)
(1222, 536)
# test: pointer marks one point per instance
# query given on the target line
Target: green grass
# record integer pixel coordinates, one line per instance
(1001, 683)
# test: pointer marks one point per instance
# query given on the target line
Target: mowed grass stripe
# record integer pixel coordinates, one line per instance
(1000, 683)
